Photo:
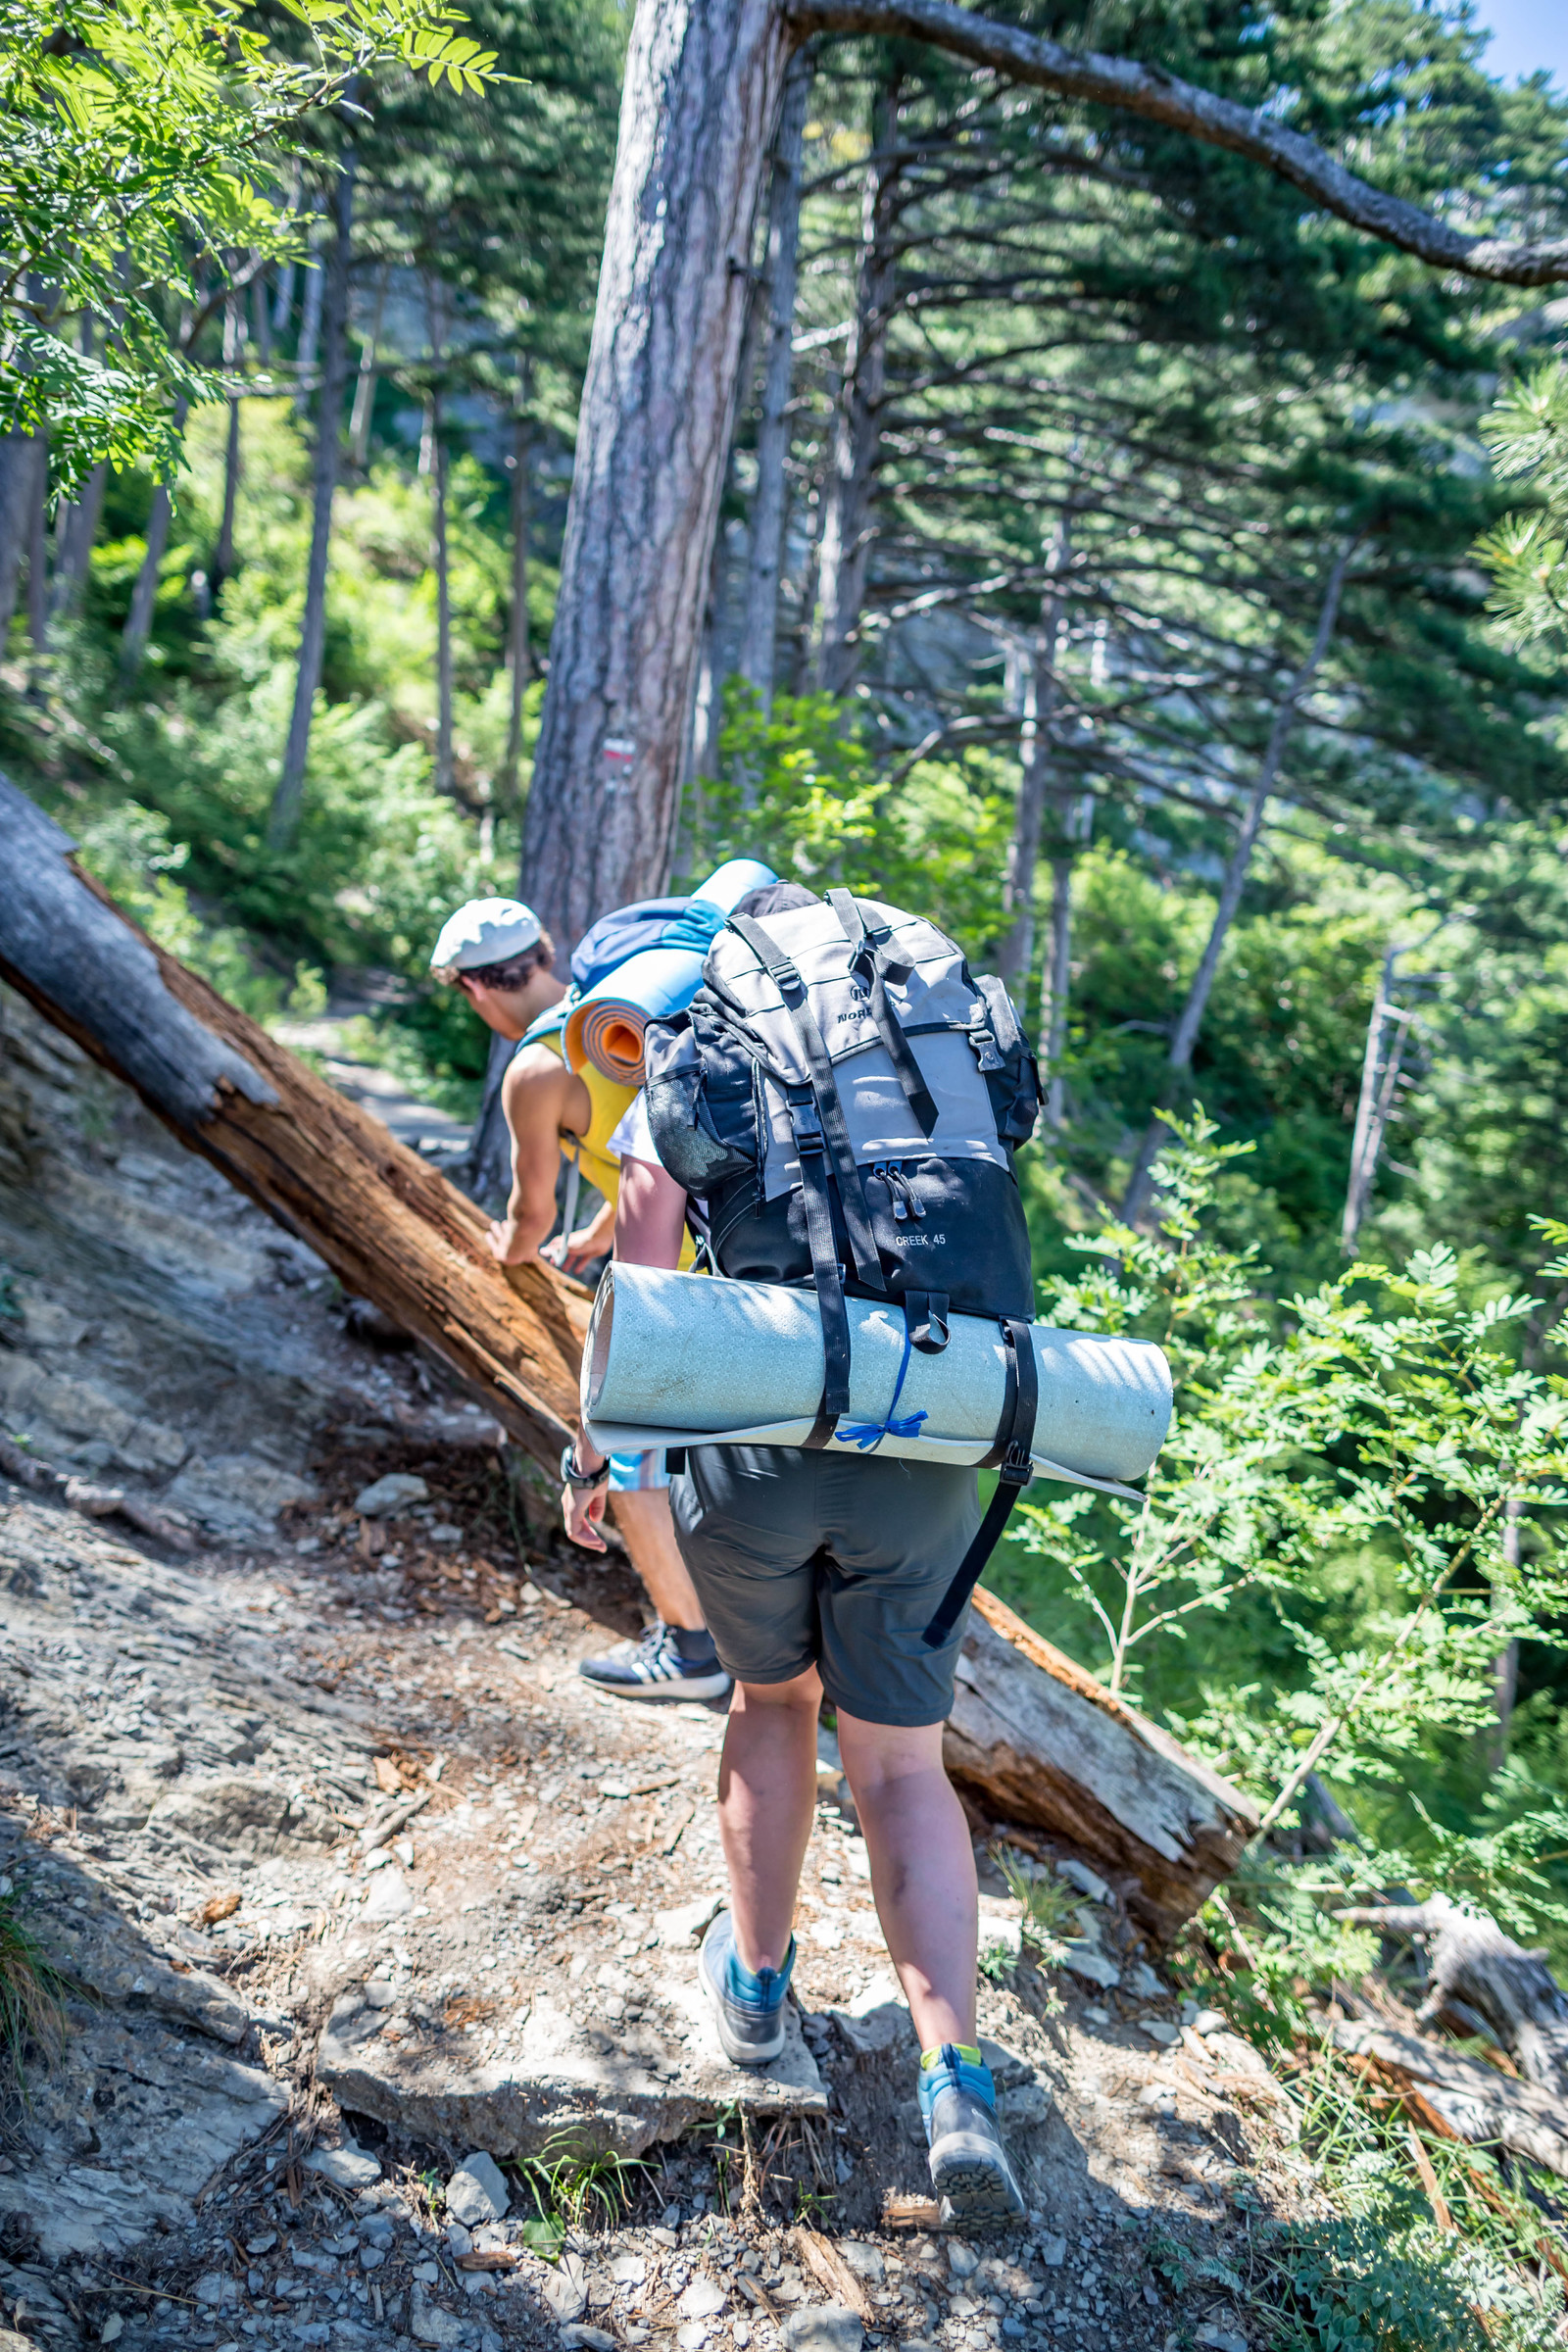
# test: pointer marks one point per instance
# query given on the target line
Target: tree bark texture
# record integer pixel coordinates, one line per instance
(769, 506)
(700, 93)
(285, 811)
(145, 596)
(21, 454)
(440, 561)
(222, 562)
(1147, 90)
(519, 662)
(1015, 953)
(1034, 1740)
(38, 551)
(76, 537)
(1230, 897)
(847, 526)
(1458, 2097)
(391, 1228)
(364, 383)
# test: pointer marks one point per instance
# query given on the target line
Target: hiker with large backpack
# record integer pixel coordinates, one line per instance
(838, 1107)
(499, 954)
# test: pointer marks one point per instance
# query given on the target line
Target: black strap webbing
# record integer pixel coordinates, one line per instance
(1016, 1432)
(808, 1147)
(797, 1004)
(874, 961)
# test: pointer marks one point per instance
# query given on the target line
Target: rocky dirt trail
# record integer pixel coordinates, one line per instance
(372, 1909)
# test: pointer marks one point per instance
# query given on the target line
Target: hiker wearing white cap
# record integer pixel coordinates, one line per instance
(500, 954)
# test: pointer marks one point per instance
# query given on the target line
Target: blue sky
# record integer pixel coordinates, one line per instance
(1526, 33)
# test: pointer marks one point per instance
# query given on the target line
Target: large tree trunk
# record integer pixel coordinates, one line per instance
(846, 531)
(390, 1227)
(1038, 1742)
(285, 811)
(759, 640)
(1230, 897)
(701, 92)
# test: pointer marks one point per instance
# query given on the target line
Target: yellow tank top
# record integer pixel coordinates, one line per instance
(610, 1103)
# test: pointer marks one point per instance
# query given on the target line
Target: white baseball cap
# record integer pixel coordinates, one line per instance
(485, 931)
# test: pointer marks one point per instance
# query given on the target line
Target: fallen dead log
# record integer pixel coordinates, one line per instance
(1035, 1740)
(1475, 1967)
(391, 1228)
(1469, 2099)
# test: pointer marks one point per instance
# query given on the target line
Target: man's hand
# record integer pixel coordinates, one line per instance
(507, 1244)
(583, 1508)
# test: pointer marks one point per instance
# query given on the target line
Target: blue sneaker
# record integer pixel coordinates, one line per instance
(975, 2184)
(667, 1664)
(748, 2009)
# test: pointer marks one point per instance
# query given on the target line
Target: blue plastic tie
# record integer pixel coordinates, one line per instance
(868, 1435)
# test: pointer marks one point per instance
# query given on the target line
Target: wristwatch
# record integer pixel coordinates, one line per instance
(583, 1480)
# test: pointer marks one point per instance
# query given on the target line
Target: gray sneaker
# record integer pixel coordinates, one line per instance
(974, 2181)
(747, 2009)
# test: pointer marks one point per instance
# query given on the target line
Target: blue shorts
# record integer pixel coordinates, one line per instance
(638, 1473)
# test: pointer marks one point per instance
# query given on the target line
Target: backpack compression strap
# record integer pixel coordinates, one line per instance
(817, 1117)
(872, 956)
(1015, 1430)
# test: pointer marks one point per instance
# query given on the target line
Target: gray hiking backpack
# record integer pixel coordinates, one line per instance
(846, 1098)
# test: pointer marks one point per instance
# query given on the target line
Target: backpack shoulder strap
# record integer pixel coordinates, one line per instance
(817, 1117)
(876, 969)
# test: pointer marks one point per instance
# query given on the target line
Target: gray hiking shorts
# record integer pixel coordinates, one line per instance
(830, 1560)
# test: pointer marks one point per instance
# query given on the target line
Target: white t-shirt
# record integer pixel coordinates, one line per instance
(633, 1136)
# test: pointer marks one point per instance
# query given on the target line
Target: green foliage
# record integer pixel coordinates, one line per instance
(1382, 1421)
(802, 789)
(572, 2186)
(1527, 554)
(137, 133)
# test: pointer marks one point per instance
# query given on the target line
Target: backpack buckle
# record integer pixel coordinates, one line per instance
(806, 1125)
(1016, 1467)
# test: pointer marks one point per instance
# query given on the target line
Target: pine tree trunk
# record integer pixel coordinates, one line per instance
(19, 454)
(222, 562)
(145, 596)
(758, 650)
(1236, 873)
(316, 276)
(284, 815)
(1057, 991)
(1015, 953)
(519, 663)
(76, 537)
(443, 601)
(847, 529)
(364, 388)
(701, 92)
(38, 551)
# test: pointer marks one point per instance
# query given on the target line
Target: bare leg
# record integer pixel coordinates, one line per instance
(643, 1518)
(922, 1870)
(767, 1801)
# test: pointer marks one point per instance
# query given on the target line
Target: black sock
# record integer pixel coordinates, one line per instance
(694, 1645)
